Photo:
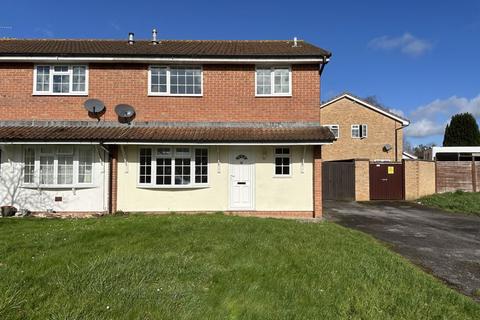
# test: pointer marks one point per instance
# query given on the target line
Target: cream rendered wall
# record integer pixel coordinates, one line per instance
(131, 197)
(293, 193)
(91, 199)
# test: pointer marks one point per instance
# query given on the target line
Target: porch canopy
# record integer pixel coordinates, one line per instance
(201, 133)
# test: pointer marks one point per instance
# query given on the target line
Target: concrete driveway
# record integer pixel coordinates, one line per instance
(444, 244)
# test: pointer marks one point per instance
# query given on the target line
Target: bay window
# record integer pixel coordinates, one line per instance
(58, 166)
(173, 166)
(165, 80)
(60, 80)
(273, 81)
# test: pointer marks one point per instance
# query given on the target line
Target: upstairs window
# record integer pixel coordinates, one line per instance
(359, 131)
(175, 81)
(273, 81)
(335, 128)
(173, 167)
(60, 80)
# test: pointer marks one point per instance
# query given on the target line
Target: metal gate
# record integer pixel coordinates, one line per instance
(386, 181)
(338, 181)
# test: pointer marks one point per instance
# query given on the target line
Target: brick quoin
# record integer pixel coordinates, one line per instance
(228, 95)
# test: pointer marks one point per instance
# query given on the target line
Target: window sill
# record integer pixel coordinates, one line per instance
(39, 94)
(174, 95)
(273, 95)
(57, 187)
(282, 176)
(193, 186)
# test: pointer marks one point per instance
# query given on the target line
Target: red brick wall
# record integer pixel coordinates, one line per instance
(317, 182)
(228, 95)
(113, 188)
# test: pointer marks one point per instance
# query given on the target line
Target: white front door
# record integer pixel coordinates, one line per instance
(242, 179)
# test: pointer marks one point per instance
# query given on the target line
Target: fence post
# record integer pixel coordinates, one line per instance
(474, 175)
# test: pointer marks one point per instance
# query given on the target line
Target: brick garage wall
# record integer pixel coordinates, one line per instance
(362, 180)
(419, 178)
(381, 131)
(457, 175)
(228, 95)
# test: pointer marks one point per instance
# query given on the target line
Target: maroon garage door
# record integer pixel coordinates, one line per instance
(386, 181)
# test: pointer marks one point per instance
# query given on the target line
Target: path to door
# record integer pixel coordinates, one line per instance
(444, 244)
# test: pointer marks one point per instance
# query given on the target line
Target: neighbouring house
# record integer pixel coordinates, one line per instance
(362, 130)
(367, 161)
(185, 126)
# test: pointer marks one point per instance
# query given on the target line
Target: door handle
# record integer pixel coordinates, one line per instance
(241, 182)
(384, 179)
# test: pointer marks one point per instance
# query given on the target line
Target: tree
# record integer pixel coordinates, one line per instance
(462, 131)
(420, 150)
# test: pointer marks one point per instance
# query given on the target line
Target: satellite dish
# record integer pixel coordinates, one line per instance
(94, 106)
(125, 112)
(387, 147)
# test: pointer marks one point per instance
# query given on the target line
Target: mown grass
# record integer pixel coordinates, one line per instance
(210, 267)
(460, 202)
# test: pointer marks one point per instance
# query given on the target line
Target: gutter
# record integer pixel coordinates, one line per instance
(396, 139)
(41, 59)
(323, 64)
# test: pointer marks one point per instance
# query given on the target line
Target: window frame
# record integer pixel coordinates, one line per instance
(167, 93)
(289, 156)
(272, 81)
(37, 153)
(362, 134)
(334, 125)
(50, 92)
(172, 156)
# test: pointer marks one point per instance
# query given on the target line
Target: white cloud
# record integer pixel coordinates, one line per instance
(424, 128)
(449, 106)
(431, 119)
(407, 44)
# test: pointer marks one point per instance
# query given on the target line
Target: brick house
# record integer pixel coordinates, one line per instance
(212, 126)
(362, 130)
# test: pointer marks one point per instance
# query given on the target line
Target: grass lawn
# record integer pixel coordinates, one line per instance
(210, 267)
(462, 202)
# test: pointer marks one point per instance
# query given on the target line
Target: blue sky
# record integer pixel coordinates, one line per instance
(421, 58)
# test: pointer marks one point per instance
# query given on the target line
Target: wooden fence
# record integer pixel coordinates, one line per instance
(457, 175)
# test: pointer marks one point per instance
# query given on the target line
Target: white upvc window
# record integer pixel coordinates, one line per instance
(273, 81)
(60, 80)
(175, 81)
(58, 166)
(335, 128)
(359, 131)
(283, 162)
(173, 167)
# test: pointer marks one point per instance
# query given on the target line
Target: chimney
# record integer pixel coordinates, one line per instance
(295, 44)
(130, 38)
(154, 36)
